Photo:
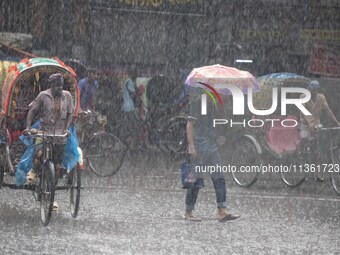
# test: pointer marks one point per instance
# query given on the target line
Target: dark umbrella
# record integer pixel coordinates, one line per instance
(78, 67)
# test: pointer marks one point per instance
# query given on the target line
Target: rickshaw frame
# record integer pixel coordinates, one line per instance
(261, 148)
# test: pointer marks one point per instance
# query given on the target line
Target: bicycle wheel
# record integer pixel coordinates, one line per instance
(47, 189)
(75, 182)
(336, 182)
(175, 135)
(336, 174)
(247, 160)
(295, 177)
(105, 154)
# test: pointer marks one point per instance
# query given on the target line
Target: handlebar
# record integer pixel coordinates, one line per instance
(36, 133)
(320, 128)
(330, 128)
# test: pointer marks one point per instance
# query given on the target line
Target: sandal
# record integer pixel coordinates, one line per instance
(31, 176)
(229, 217)
(55, 206)
(191, 217)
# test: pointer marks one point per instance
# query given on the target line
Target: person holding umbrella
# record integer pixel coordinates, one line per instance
(202, 136)
(204, 152)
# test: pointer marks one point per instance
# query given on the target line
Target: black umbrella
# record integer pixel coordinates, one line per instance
(77, 66)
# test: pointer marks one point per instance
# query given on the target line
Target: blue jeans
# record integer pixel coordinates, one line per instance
(208, 158)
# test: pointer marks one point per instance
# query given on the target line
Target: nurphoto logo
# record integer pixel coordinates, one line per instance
(239, 105)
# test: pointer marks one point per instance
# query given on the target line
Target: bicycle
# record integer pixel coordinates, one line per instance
(44, 190)
(166, 133)
(103, 152)
(303, 163)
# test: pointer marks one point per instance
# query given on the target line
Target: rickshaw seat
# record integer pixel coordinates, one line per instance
(283, 139)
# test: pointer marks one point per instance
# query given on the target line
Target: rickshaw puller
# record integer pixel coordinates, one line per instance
(316, 105)
(54, 108)
(309, 124)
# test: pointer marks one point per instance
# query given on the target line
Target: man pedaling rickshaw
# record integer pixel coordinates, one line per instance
(310, 123)
(54, 108)
(316, 104)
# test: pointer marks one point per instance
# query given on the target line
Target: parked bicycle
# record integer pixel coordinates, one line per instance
(104, 152)
(161, 128)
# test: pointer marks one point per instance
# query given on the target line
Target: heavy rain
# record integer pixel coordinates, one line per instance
(127, 127)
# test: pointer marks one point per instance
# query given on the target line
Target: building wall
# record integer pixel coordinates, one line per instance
(14, 16)
(277, 35)
(170, 36)
(160, 39)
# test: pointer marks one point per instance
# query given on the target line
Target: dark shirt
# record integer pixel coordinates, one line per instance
(205, 134)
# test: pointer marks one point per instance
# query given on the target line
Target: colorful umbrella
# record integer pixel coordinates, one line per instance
(218, 77)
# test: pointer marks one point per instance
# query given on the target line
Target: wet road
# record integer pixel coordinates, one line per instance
(139, 211)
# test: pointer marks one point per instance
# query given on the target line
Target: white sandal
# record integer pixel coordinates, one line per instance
(55, 206)
(31, 176)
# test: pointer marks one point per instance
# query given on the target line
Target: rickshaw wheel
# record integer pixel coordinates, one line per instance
(336, 175)
(336, 182)
(245, 154)
(105, 154)
(295, 178)
(47, 189)
(75, 182)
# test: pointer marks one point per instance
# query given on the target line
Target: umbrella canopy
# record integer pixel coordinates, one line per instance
(78, 67)
(263, 99)
(220, 77)
(282, 79)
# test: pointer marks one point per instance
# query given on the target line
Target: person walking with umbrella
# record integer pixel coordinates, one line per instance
(204, 153)
(202, 136)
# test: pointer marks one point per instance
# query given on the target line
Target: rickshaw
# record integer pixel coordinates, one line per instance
(23, 83)
(273, 144)
(4, 66)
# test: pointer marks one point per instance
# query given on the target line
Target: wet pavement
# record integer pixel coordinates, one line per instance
(139, 211)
